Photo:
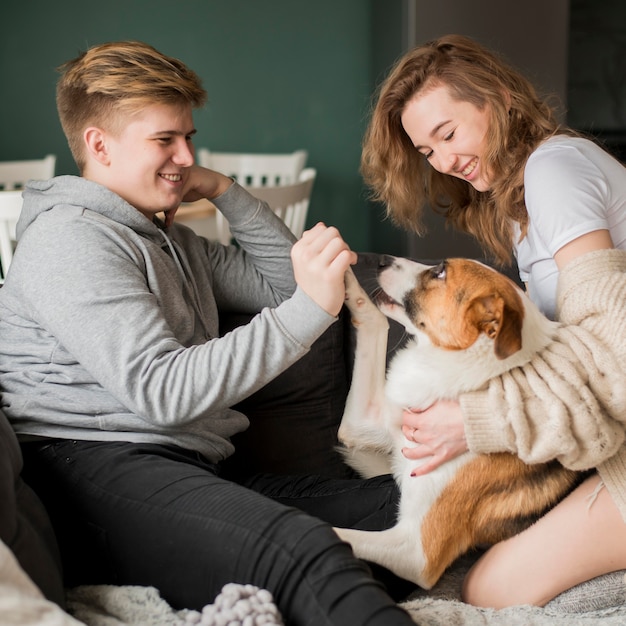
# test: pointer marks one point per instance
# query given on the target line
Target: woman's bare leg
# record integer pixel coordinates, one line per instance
(584, 536)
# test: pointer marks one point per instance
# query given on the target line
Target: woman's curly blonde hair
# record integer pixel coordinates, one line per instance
(401, 178)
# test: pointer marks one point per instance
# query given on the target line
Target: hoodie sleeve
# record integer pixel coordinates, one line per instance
(99, 312)
(257, 271)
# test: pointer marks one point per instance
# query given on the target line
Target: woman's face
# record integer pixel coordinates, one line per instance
(451, 134)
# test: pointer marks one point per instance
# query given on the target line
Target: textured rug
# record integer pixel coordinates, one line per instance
(236, 605)
(600, 601)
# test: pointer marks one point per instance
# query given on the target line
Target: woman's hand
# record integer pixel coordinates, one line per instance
(439, 433)
(320, 260)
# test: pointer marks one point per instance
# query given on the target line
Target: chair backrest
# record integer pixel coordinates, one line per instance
(255, 170)
(290, 202)
(15, 174)
(260, 171)
(10, 208)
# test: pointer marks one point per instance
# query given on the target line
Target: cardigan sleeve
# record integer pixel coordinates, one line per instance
(569, 402)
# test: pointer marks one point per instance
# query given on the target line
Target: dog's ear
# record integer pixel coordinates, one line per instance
(499, 320)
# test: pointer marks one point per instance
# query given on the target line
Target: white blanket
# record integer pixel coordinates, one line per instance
(602, 601)
(142, 606)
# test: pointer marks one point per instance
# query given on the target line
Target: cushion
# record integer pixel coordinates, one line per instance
(24, 524)
(294, 419)
(21, 603)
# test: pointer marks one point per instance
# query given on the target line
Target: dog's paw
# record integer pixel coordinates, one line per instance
(358, 302)
(355, 294)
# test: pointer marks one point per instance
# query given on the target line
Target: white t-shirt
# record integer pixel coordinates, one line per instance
(572, 187)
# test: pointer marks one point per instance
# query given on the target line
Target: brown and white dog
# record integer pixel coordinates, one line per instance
(469, 323)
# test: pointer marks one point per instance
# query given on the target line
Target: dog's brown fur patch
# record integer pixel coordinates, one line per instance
(491, 498)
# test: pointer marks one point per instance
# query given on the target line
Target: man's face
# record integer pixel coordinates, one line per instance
(147, 162)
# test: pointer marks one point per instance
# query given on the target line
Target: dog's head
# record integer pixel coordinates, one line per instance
(453, 303)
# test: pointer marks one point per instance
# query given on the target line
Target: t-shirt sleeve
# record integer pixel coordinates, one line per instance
(565, 195)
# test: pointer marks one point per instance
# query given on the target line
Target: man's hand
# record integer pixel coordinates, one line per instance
(320, 259)
(204, 183)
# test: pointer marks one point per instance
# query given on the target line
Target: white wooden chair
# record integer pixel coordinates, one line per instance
(15, 174)
(255, 170)
(290, 202)
(260, 173)
(10, 208)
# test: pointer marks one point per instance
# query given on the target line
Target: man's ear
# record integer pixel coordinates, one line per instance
(96, 144)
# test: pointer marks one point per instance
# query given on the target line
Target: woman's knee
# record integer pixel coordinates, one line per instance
(476, 588)
(492, 582)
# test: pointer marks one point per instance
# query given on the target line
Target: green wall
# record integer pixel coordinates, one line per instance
(281, 75)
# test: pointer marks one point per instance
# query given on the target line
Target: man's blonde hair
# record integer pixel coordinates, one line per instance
(119, 78)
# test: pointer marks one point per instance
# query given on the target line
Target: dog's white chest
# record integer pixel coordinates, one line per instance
(422, 373)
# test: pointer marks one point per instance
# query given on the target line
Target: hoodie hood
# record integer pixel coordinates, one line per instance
(43, 195)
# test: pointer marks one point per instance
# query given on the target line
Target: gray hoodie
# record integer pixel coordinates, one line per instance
(109, 324)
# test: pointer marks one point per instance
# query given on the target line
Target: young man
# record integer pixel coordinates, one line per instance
(117, 383)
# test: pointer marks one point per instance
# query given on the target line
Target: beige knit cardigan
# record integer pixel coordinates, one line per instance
(569, 402)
